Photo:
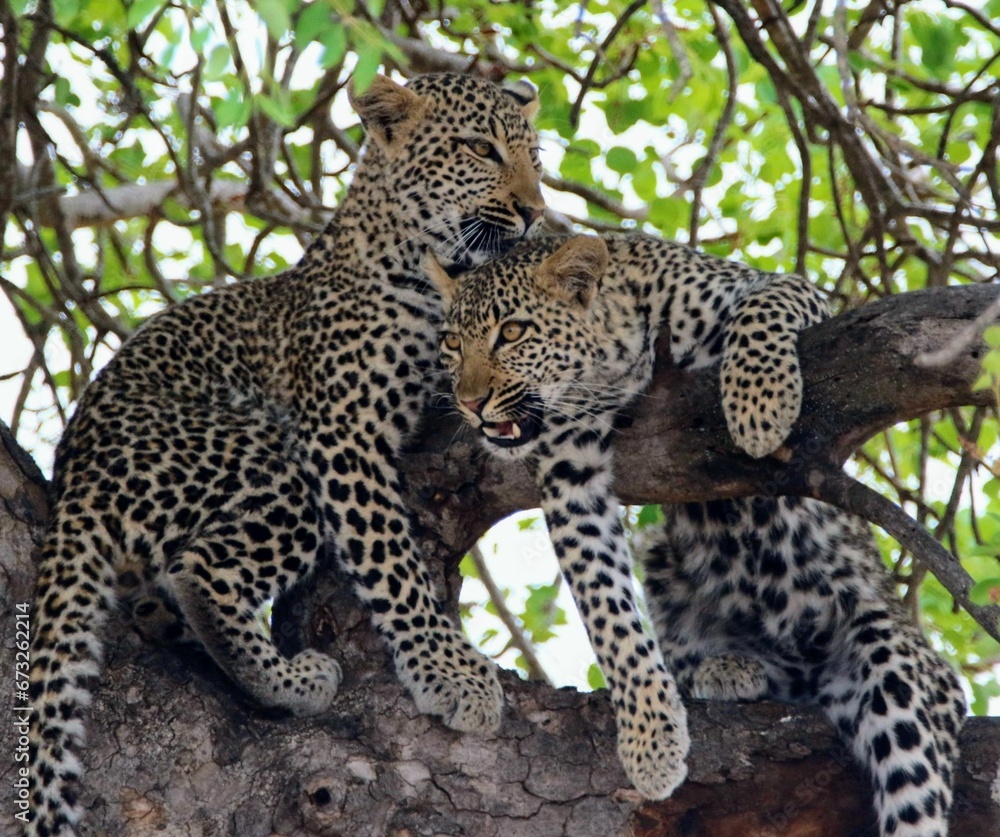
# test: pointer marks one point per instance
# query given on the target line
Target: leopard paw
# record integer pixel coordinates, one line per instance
(315, 680)
(454, 682)
(730, 677)
(653, 737)
(762, 395)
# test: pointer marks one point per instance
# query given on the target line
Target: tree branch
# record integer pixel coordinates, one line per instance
(861, 376)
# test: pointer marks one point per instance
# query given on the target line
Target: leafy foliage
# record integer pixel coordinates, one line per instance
(150, 150)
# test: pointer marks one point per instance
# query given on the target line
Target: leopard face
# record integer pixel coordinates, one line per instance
(462, 159)
(523, 341)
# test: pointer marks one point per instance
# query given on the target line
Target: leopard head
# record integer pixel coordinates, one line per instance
(457, 160)
(523, 340)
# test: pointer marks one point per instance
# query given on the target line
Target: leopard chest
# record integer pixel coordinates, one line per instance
(366, 357)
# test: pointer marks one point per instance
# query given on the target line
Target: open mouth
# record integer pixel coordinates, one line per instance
(515, 432)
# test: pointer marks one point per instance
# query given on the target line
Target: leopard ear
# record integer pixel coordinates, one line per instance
(446, 286)
(388, 111)
(526, 95)
(573, 271)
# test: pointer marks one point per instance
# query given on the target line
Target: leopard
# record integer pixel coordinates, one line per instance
(782, 598)
(238, 438)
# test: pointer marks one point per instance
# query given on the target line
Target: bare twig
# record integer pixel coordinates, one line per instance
(599, 55)
(510, 621)
(700, 174)
(838, 489)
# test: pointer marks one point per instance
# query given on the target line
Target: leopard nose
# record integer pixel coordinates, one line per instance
(529, 214)
(473, 405)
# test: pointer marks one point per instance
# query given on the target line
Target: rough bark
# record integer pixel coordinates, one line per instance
(174, 750)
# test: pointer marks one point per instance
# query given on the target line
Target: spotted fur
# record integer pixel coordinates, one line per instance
(237, 434)
(780, 598)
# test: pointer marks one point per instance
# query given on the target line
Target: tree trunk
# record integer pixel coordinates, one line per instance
(175, 750)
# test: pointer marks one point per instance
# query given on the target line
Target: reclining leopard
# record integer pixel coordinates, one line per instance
(237, 433)
(782, 598)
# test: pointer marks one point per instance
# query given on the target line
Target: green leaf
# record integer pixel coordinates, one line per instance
(529, 523)
(621, 160)
(668, 214)
(595, 677)
(467, 567)
(277, 108)
(67, 11)
(218, 61)
(234, 110)
(992, 336)
(314, 19)
(984, 381)
(139, 11)
(576, 161)
(991, 362)
(275, 16)
(334, 40)
(199, 38)
(985, 592)
(939, 38)
(644, 180)
(64, 93)
(369, 57)
(982, 693)
(649, 516)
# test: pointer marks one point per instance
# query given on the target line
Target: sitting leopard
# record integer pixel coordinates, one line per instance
(781, 598)
(239, 432)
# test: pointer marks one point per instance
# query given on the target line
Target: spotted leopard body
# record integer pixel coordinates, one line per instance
(780, 598)
(238, 434)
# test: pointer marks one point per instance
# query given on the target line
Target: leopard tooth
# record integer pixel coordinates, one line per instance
(516, 432)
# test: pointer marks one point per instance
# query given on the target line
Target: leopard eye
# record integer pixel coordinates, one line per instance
(452, 341)
(511, 331)
(484, 148)
(481, 148)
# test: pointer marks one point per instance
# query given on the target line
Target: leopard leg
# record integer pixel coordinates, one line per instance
(149, 608)
(761, 379)
(900, 707)
(221, 582)
(698, 654)
(582, 515)
(444, 673)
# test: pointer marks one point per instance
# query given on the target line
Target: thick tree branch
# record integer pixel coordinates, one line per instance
(121, 203)
(172, 749)
(861, 376)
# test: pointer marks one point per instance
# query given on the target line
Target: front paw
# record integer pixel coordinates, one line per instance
(762, 397)
(452, 680)
(653, 737)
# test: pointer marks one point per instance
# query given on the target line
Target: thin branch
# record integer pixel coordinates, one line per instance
(838, 489)
(596, 197)
(599, 54)
(677, 48)
(700, 174)
(510, 621)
